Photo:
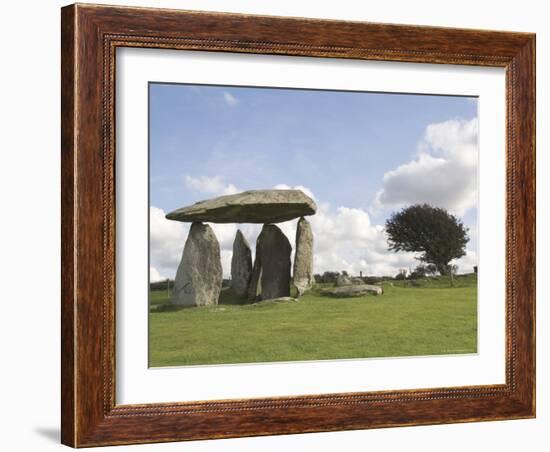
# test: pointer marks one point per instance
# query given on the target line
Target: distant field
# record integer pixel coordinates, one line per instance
(424, 317)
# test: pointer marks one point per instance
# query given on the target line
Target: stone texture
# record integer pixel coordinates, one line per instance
(241, 265)
(303, 259)
(199, 276)
(275, 252)
(254, 206)
(342, 280)
(271, 272)
(354, 291)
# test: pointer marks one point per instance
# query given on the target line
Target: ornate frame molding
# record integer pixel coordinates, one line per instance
(90, 36)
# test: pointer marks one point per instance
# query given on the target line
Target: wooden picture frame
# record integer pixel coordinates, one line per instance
(90, 36)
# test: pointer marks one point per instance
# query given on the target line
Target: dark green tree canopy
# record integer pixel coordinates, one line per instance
(432, 231)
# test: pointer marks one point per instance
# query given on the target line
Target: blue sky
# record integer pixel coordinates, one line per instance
(368, 152)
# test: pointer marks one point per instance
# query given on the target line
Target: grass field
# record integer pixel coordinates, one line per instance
(425, 317)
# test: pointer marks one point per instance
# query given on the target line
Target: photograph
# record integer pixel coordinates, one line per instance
(292, 224)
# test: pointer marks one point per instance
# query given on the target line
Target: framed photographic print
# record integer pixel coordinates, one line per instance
(280, 225)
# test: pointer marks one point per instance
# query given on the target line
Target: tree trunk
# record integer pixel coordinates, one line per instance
(447, 269)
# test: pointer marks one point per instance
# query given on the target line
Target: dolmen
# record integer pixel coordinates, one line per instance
(199, 275)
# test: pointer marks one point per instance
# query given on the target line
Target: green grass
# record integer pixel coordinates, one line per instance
(427, 318)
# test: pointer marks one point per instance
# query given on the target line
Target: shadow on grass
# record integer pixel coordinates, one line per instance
(168, 307)
(227, 298)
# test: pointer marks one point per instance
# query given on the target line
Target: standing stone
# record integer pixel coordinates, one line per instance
(241, 265)
(199, 276)
(303, 259)
(273, 249)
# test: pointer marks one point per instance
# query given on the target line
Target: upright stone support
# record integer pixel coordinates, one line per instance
(241, 265)
(199, 276)
(271, 273)
(303, 259)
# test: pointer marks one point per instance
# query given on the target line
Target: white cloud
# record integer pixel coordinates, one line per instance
(230, 99)
(443, 174)
(466, 263)
(155, 276)
(344, 239)
(214, 185)
(166, 240)
(306, 190)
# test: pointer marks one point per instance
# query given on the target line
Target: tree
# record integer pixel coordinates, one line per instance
(401, 275)
(431, 269)
(328, 277)
(421, 271)
(432, 231)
